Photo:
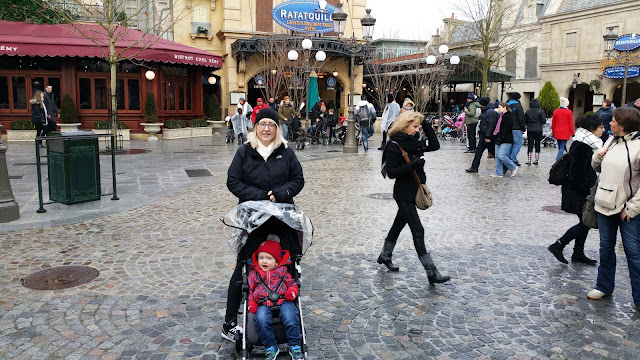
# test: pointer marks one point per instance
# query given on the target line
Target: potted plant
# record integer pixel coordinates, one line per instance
(175, 129)
(151, 124)
(212, 110)
(199, 127)
(104, 127)
(202, 30)
(21, 130)
(68, 115)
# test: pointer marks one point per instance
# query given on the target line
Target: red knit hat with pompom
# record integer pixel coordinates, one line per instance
(272, 248)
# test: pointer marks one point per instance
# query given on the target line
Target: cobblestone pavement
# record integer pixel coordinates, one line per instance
(164, 268)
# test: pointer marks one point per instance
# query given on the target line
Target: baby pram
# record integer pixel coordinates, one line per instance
(296, 132)
(252, 222)
(230, 135)
(547, 135)
(453, 129)
(318, 133)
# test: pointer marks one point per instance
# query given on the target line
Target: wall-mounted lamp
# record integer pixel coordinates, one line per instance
(509, 88)
(212, 80)
(574, 83)
(335, 73)
(274, 71)
(150, 75)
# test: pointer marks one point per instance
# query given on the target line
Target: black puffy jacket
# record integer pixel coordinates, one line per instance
(535, 117)
(488, 121)
(580, 180)
(250, 177)
(505, 136)
(395, 165)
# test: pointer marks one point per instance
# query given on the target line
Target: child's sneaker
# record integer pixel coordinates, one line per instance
(271, 353)
(296, 352)
(230, 330)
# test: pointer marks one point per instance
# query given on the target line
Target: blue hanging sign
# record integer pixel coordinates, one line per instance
(331, 82)
(617, 72)
(627, 42)
(304, 16)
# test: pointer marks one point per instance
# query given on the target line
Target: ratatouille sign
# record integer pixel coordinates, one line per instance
(305, 16)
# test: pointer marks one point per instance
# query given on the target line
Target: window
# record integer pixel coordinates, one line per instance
(102, 93)
(84, 89)
(531, 63)
(94, 94)
(177, 95)
(571, 43)
(264, 22)
(131, 9)
(128, 96)
(19, 92)
(510, 60)
(4, 92)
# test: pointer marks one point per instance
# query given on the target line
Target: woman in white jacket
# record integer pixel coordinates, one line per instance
(617, 202)
(390, 113)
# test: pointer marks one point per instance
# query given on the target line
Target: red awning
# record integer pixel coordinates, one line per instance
(91, 40)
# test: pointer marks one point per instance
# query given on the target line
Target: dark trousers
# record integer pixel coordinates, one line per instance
(482, 145)
(408, 214)
(578, 232)
(471, 134)
(234, 293)
(534, 138)
(41, 130)
(384, 138)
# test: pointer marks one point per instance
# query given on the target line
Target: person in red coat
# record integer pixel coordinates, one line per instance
(562, 125)
(259, 106)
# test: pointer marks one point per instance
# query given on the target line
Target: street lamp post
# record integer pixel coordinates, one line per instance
(9, 210)
(339, 18)
(307, 45)
(623, 58)
(432, 60)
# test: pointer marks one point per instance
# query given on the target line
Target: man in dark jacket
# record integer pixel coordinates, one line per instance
(52, 110)
(273, 104)
(519, 125)
(488, 121)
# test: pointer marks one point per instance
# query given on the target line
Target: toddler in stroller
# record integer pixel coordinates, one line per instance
(230, 136)
(296, 131)
(271, 279)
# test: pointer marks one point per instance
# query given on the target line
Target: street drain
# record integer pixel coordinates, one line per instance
(381, 196)
(60, 277)
(554, 210)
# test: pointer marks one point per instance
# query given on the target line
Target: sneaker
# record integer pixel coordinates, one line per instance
(596, 294)
(470, 151)
(471, 170)
(496, 175)
(513, 172)
(229, 331)
(271, 353)
(296, 352)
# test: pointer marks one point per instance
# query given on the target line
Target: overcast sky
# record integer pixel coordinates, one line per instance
(409, 19)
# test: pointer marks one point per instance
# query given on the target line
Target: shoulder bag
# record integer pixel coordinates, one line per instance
(423, 200)
(589, 215)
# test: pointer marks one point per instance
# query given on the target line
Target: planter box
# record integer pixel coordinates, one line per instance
(21, 135)
(69, 127)
(126, 133)
(200, 131)
(176, 133)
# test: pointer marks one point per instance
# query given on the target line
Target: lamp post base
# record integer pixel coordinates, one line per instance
(350, 143)
(9, 209)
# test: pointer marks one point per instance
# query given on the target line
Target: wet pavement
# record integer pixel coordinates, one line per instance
(164, 265)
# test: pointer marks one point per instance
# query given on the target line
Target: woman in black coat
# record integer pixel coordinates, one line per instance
(264, 168)
(578, 185)
(39, 115)
(404, 134)
(535, 119)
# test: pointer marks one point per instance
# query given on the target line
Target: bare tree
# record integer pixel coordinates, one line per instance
(425, 80)
(492, 31)
(384, 79)
(108, 26)
(271, 63)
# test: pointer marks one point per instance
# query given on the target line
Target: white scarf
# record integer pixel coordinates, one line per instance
(265, 151)
(587, 137)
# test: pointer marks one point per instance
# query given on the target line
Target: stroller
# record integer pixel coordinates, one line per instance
(547, 135)
(230, 134)
(318, 133)
(341, 132)
(453, 129)
(252, 222)
(296, 132)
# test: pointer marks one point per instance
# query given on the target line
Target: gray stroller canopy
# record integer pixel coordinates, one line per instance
(249, 215)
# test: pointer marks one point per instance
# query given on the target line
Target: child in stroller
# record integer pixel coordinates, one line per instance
(296, 131)
(229, 137)
(253, 222)
(270, 287)
(317, 132)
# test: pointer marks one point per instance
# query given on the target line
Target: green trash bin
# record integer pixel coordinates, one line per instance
(73, 167)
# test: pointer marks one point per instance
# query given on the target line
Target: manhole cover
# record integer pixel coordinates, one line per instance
(381, 196)
(554, 209)
(198, 173)
(60, 277)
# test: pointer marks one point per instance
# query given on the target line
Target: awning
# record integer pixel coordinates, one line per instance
(63, 40)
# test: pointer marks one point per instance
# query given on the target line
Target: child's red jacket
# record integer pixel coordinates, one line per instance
(272, 279)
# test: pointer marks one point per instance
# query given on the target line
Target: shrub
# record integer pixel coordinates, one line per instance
(150, 110)
(106, 124)
(212, 107)
(549, 98)
(198, 123)
(68, 111)
(22, 125)
(174, 124)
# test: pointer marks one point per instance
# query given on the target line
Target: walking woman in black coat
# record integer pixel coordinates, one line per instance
(39, 114)
(404, 133)
(578, 185)
(264, 168)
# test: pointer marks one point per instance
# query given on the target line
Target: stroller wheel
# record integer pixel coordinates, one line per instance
(325, 141)
(447, 136)
(239, 341)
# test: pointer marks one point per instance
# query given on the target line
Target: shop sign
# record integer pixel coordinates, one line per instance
(259, 81)
(627, 42)
(617, 72)
(305, 16)
(331, 83)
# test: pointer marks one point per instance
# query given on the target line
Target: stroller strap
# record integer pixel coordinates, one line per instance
(273, 295)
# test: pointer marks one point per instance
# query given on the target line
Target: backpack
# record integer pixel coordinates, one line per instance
(560, 170)
(365, 114)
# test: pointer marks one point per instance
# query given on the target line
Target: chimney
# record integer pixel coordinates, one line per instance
(452, 16)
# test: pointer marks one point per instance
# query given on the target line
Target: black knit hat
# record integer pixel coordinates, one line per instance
(515, 96)
(484, 101)
(267, 113)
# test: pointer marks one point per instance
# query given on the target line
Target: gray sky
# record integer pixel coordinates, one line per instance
(409, 19)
